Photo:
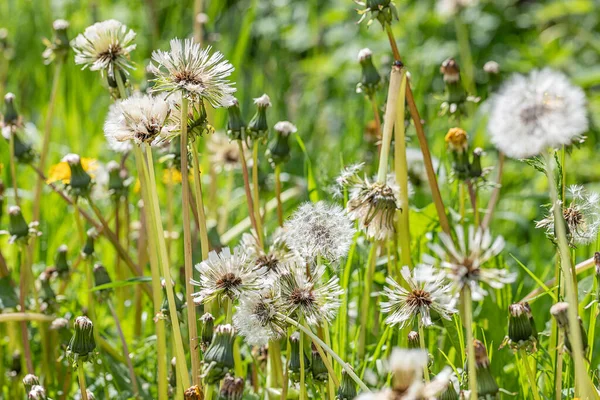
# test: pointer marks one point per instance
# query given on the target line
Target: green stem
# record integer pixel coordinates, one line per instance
(81, 376)
(187, 240)
(366, 302)
(396, 77)
(249, 199)
(401, 170)
(469, 343)
(256, 196)
(302, 372)
(13, 167)
(530, 375)
(327, 349)
(132, 376)
(464, 49)
(424, 347)
(223, 210)
(25, 316)
(278, 194)
(582, 382)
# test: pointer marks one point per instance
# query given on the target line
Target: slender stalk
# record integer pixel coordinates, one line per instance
(13, 168)
(582, 383)
(424, 347)
(46, 139)
(302, 372)
(228, 310)
(256, 194)
(278, 194)
(388, 121)
(530, 375)
(327, 360)
(464, 49)
(204, 243)
(495, 194)
(187, 240)
(285, 383)
(161, 337)
(132, 376)
(23, 290)
(249, 193)
(197, 24)
(223, 211)
(25, 316)
(364, 313)
(401, 170)
(156, 221)
(414, 112)
(81, 376)
(346, 367)
(376, 117)
(469, 343)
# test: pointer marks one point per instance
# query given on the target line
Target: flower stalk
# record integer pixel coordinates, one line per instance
(469, 342)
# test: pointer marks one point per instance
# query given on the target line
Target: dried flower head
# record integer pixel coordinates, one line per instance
(224, 154)
(258, 317)
(105, 47)
(465, 260)
(200, 75)
(58, 46)
(582, 216)
(457, 139)
(139, 118)
(535, 112)
(319, 230)
(309, 297)
(427, 291)
(273, 260)
(226, 274)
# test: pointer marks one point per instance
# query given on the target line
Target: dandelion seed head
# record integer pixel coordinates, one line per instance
(319, 230)
(189, 68)
(535, 112)
(105, 47)
(257, 317)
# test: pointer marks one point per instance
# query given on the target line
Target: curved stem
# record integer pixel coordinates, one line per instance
(327, 349)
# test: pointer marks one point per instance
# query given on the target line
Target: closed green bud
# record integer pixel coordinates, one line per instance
(232, 388)
(117, 177)
(347, 389)
(61, 263)
(112, 82)
(218, 359)
(317, 366)
(198, 120)
(413, 340)
(236, 126)
(61, 327)
(370, 78)
(520, 331)
(82, 344)
(279, 148)
(456, 96)
(206, 332)
(487, 387)
(11, 126)
(101, 277)
(449, 394)
(90, 240)
(47, 294)
(380, 10)
(295, 352)
(179, 304)
(58, 46)
(475, 169)
(17, 226)
(29, 381)
(534, 332)
(11, 115)
(258, 127)
(81, 182)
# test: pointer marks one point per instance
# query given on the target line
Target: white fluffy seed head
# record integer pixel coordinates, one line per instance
(535, 112)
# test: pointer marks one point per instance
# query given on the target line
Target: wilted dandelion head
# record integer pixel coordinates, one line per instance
(226, 274)
(309, 297)
(189, 68)
(105, 47)
(582, 216)
(457, 139)
(427, 291)
(224, 154)
(464, 260)
(535, 112)
(258, 317)
(373, 204)
(319, 230)
(272, 260)
(139, 118)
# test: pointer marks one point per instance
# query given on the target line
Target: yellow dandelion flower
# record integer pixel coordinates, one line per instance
(171, 176)
(62, 171)
(457, 139)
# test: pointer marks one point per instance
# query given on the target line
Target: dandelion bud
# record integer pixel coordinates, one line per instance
(112, 81)
(347, 389)
(449, 394)
(520, 331)
(381, 10)
(206, 332)
(486, 384)
(258, 127)
(597, 262)
(457, 141)
(295, 356)
(61, 326)
(165, 304)
(47, 296)
(81, 181)
(450, 71)
(37, 392)
(534, 332)
(61, 264)
(475, 169)
(192, 393)
(116, 179)
(413, 340)
(232, 388)
(279, 148)
(235, 124)
(407, 367)
(491, 67)
(89, 246)
(218, 359)
(29, 381)
(11, 115)
(58, 46)
(317, 366)
(82, 344)
(17, 227)
(101, 277)
(559, 312)
(370, 78)
(15, 367)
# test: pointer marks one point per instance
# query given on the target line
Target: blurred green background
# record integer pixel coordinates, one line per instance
(303, 54)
